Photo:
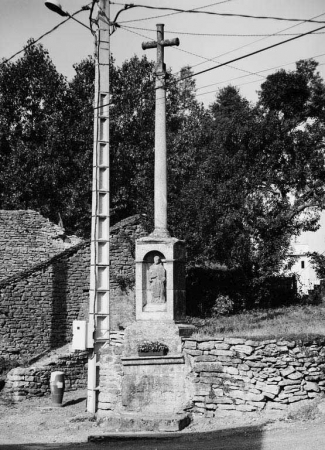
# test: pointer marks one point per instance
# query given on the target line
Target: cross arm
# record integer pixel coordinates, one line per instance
(164, 43)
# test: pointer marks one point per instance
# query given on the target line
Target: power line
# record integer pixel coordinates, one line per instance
(43, 35)
(258, 40)
(255, 73)
(170, 14)
(185, 51)
(196, 11)
(252, 53)
(217, 34)
(239, 58)
(241, 84)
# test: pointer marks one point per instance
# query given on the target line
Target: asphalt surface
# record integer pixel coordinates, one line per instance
(298, 436)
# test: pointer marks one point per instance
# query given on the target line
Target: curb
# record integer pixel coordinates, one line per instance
(111, 437)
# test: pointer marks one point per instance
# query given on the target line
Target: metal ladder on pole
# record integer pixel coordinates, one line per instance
(98, 325)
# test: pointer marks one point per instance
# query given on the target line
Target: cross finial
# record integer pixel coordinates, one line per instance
(160, 44)
(160, 134)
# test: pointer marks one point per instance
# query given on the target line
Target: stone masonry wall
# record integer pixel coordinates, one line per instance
(26, 239)
(122, 271)
(39, 304)
(248, 375)
(34, 381)
(110, 374)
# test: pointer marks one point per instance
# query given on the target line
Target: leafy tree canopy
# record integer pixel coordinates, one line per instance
(242, 178)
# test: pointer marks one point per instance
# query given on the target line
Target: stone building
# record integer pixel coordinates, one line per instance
(44, 282)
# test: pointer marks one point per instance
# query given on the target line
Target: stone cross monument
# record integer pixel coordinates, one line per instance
(157, 383)
(160, 133)
(160, 259)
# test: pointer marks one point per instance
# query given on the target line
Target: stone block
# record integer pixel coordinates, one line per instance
(205, 358)
(193, 352)
(223, 401)
(216, 352)
(190, 345)
(246, 349)
(312, 394)
(271, 389)
(231, 370)
(246, 408)
(208, 367)
(201, 389)
(297, 398)
(289, 382)
(295, 376)
(310, 386)
(237, 394)
(212, 406)
(209, 345)
(222, 346)
(227, 407)
(235, 341)
(254, 397)
(287, 371)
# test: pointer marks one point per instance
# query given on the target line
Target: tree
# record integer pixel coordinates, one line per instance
(30, 164)
(242, 178)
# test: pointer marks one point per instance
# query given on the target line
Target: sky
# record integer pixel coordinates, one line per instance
(203, 38)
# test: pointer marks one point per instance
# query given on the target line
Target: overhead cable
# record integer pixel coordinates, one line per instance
(197, 11)
(252, 53)
(255, 73)
(241, 84)
(131, 5)
(258, 40)
(41, 37)
(184, 51)
(217, 34)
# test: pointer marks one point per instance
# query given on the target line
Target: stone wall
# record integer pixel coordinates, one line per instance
(26, 239)
(34, 381)
(122, 271)
(248, 375)
(211, 376)
(110, 374)
(39, 304)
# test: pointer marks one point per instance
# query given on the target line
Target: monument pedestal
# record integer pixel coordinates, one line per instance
(160, 279)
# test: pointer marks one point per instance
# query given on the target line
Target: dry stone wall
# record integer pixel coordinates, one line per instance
(39, 303)
(248, 375)
(26, 239)
(34, 381)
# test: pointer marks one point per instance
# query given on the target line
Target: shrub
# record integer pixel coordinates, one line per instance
(223, 306)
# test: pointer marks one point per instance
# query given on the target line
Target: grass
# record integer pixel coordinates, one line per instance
(294, 322)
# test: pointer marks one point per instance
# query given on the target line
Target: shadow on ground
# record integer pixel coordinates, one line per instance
(243, 438)
(74, 402)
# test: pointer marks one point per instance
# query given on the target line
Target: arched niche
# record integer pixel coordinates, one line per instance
(154, 282)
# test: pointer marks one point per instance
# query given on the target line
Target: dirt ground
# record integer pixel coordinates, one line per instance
(37, 421)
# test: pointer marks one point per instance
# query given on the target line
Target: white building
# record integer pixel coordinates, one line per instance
(302, 268)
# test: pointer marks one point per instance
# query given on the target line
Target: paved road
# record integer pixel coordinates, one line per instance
(296, 437)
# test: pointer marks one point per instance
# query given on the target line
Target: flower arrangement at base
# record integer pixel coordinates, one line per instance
(152, 348)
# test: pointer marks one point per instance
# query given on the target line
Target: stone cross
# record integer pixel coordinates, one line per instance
(160, 133)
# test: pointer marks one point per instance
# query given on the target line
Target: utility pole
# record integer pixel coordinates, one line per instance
(98, 325)
(160, 133)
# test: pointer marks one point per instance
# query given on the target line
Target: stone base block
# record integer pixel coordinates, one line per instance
(164, 332)
(125, 421)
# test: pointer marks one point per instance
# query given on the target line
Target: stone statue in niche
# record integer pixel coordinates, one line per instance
(157, 280)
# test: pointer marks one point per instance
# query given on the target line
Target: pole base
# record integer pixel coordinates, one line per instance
(160, 233)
